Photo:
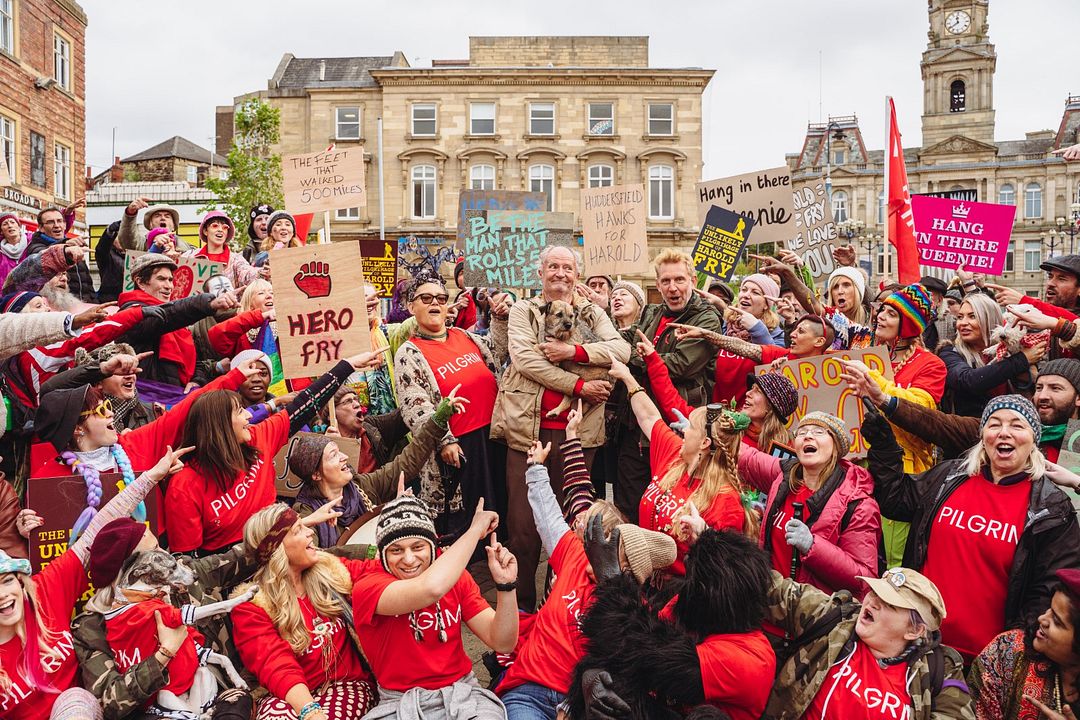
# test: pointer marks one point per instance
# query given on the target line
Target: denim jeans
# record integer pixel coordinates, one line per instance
(531, 702)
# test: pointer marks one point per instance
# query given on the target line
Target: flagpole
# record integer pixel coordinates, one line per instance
(888, 163)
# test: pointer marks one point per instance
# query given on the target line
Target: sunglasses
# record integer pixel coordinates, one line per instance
(429, 299)
(103, 410)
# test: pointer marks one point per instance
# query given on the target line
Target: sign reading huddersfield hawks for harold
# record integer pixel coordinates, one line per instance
(722, 238)
(324, 180)
(321, 310)
(613, 226)
(949, 232)
(502, 247)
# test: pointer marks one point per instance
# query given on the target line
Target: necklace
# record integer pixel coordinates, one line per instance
(92, 477)
(425, 336)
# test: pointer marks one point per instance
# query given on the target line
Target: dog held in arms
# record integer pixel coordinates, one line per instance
(144, 589)
(561, 323)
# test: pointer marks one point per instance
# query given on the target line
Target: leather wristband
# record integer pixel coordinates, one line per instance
(506, 587)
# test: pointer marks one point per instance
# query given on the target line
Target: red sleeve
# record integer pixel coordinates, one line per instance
(772, 352)
(359, 568)
(667, 397)
(736, 668)
(183, 516)
(578, 386)
(366, 592)
(1051, 310)
(264, 652)
(225, 336)
(567, 550)
(468, 594)
(580, 355)
(101, 333)
(725, 512)
(271, 434)
(664, 447)
(59, 586)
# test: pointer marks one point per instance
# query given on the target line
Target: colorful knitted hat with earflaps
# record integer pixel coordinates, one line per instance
(915, 307)
(834, 425)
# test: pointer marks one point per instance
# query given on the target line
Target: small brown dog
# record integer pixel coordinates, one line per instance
(561, 323)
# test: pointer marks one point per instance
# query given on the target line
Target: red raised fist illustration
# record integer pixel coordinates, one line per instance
(313, 279)
(183, 279)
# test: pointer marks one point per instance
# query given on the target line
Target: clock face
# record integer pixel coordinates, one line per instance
(957, 22)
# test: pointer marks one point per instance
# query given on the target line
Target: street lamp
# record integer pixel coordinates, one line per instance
(1050, 237)
(1069, 226)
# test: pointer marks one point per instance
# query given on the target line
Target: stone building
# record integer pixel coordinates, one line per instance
(42, 107)
(959, 153)
(174, 160)
(548, 114)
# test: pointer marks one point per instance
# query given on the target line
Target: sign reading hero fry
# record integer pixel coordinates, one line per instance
(321, 310)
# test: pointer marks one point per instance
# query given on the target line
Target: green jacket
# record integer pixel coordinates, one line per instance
(795, 607)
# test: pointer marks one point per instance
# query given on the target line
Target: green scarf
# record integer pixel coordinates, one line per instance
(1052, 434)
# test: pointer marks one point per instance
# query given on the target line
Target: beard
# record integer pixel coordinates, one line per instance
(59, 299)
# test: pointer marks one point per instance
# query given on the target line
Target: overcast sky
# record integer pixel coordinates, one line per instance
(157, 69)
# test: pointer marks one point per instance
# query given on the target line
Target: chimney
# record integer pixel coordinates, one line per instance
(116, 173)
(322, 70)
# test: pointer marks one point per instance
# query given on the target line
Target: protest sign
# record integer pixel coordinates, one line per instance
(324, 180)
(380, 264)
(288, 484)
(820, 387)
(321, 309)
(613, 225)
(815, 232)
(503, 247)
(763, 197)
(722, 238)
(474, 202)
(188, 277)
(949, 232)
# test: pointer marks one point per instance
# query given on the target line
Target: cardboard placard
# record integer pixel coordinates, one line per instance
(763, 196)
(380, 264)
(288, 484)
(820, 387)
(613, 226)
(188, 277)
(327, 180)
(482, 200)
(502, 247)
(321, 309)
(722, 238)
(815, 232)
(949, 232)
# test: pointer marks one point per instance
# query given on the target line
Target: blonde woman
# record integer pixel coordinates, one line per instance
(280, 232)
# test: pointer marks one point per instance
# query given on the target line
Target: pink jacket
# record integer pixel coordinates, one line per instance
(836, 558)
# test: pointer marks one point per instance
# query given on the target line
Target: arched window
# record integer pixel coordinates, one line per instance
(423, 191)
(957, 96)
(881, 208)
(1007, 194)
(601, 176)
(542, 179)
(661, 192)
(482, 177)
(1033, 201)
(839, 206)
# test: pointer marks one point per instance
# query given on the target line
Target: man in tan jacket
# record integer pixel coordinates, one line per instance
(535, 383)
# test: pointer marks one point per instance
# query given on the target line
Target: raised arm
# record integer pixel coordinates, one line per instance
(644, 409)
(550, 523)
(758, 468)
(733, 345)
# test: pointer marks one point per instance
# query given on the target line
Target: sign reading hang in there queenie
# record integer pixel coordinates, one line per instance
(815, 232)
(820, 387)
(722, 238)
(949, 232)
(327, 180)
(321, 309)
(380, 264)
(502, 247)
(188, 277)
(613, 225)
(763, 196)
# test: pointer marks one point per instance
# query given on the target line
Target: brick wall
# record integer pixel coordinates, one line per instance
(541, 51)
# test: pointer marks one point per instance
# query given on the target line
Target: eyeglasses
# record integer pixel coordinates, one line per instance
(429, 299)
(103, 410)
(812, 431)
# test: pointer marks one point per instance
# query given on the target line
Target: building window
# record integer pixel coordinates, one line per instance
(541, 118)
(482, 119)
(957, 96)
(1006, 195)
(347, 123)
(37, 159)
(423, 191)
(1032, 255)
(601, 176)
(542, 179)
(661, 192)
(7, 26)
(601, 119)
(423, 119)
(7, 145)
(192, 174)
(62, 171)
(881, 208)
(62, 62)
(352, 213)
(1033, 201)
(661, 119)
(839, 206)
(482, 177)
(1010, 263)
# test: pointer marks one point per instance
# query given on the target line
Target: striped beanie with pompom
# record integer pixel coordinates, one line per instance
(915, 308)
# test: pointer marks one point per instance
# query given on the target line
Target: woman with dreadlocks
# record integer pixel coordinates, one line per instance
(695, 473)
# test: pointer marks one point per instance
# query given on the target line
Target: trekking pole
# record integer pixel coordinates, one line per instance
(796, 513)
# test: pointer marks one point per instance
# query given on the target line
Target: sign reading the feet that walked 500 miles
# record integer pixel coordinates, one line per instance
(328, 180)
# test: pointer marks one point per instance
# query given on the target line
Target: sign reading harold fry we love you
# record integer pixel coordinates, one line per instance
(327, 180)
(722, 238)
(949, 232)
(763, 197)
(321, 309)
(613, 226)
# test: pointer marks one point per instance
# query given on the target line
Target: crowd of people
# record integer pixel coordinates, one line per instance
(713, 549)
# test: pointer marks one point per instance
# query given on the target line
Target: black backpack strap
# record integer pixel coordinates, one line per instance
(849, 512)
(936, 659)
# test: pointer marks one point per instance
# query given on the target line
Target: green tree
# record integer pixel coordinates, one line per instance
(254, 170)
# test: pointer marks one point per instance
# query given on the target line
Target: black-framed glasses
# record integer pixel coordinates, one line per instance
(429, 299)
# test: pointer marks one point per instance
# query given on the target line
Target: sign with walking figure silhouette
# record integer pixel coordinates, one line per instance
(321, 312)
(722, 238)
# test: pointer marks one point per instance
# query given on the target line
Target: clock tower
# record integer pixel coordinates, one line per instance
(958, 74)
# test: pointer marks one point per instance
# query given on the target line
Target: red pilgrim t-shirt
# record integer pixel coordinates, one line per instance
(58, 586)
(780, 552)
(132, 634)
(198, 516)
(732, 369)
(554, 645)
(397, 659)
(972, 543)
(659, 508)
(457, 361)
(859, 689)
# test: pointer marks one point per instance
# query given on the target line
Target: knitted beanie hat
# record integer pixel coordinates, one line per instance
(768, 286)
(305, 457)
(10, 216)
(14, 302)
(152, 235)
(634, 289)
(1067, 368)
(403, 518)
(9, 564)
(853, 274)
(778, 390)
(111, 548)
(1019, 405)
(252, 354)
(646, 551)
(102, 354)
(915, 307)
(255, 212)
(834, 425)
(280, 215)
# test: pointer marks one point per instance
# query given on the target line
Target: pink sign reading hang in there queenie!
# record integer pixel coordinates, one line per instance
(950, 232)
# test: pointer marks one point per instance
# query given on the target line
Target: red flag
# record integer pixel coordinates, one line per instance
(901, 221)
